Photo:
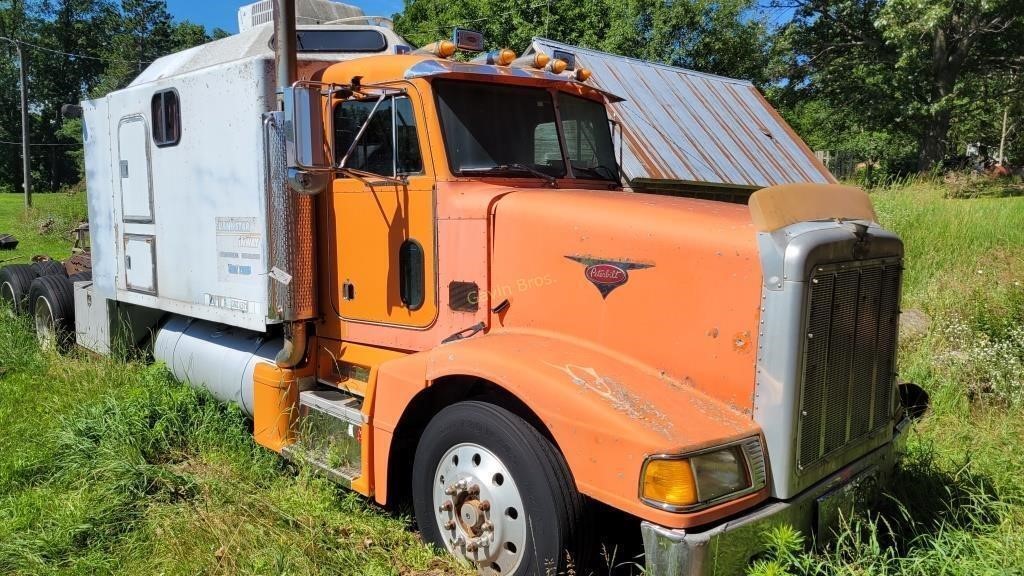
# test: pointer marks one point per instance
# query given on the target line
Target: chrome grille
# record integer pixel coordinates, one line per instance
(848, 369)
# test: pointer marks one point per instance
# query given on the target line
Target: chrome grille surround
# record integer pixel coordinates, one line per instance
(846, 386)
(789, 258)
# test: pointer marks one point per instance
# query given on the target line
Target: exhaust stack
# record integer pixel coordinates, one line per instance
(292, 233)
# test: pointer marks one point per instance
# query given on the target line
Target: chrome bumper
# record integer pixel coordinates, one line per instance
(728, 548)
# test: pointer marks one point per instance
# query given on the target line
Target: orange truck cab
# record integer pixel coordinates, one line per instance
(522, 337)
(441, 291)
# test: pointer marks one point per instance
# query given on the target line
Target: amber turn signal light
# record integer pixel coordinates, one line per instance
(669, 482)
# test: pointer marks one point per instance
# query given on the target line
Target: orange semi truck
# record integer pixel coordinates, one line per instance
(422, 276)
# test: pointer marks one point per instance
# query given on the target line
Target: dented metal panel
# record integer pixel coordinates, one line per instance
(685, 126)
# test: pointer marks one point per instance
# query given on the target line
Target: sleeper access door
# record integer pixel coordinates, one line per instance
(138, 241)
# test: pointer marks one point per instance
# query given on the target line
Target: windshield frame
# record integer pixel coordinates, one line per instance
(555, 94)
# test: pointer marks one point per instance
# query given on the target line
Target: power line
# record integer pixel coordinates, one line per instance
(70, 144)
(73, 55)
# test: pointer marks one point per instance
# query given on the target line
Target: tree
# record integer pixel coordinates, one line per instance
(718, 36)
(76, 49)
(901, 63)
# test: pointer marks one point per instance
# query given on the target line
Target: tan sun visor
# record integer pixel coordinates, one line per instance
(779, 206)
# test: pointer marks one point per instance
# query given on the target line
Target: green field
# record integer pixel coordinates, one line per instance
(111, 467)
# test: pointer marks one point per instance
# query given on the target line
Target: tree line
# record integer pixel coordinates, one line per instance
(75, 49)
(900, 84)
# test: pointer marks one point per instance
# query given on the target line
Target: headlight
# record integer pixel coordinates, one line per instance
(685, 482)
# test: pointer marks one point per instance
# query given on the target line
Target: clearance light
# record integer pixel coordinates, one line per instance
(557, 66)
(538, 60)
(441, 49)
(503, 57)
(582, 74)
(680, 483)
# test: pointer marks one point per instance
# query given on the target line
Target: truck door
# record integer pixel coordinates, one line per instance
(138, 249)
(133, 155)
(383, 254)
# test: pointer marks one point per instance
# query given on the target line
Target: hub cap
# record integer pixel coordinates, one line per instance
(479, 510)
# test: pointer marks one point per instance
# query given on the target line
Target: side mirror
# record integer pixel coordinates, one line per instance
(914, 400)
(308, 168)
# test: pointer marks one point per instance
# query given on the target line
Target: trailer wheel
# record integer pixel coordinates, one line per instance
(52, 304)
(49, 268)
(15, 282)
(491, 489)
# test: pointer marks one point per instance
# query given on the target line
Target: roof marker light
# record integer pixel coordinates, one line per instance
(503, 57)
(441, 49)
(582, 74)
(536, 60)
(557, 66)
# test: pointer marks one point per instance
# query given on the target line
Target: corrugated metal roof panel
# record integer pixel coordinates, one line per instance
(687, 126)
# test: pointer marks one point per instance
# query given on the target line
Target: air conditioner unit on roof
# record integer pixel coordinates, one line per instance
(306, 12)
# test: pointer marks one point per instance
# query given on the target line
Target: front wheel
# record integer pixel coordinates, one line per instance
(489, 488)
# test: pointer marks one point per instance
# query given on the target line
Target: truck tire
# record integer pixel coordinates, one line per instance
(15, 282)
(52, 305)
(488, 487)
(49, 268)
(85, 276)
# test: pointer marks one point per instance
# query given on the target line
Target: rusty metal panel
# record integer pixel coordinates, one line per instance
(684, 126)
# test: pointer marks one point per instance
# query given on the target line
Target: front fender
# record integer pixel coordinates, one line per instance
(605, 413)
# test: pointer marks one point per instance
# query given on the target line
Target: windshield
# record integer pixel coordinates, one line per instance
(512, 130)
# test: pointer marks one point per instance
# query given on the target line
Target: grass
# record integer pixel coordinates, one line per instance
(43, 229)
(111, 467)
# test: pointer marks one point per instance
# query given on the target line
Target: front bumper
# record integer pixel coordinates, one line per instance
(729, 547)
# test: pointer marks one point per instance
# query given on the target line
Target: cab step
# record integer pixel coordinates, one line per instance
(329, 434)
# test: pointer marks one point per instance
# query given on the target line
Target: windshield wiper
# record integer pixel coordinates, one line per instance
(597, 171)
(551, 180)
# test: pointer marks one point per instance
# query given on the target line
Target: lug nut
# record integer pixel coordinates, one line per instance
(487, 526)
(446, 507)
(450, 491)
(471, 547)
(474, 490)
(485, 505)
(457, 542)
(449, 525)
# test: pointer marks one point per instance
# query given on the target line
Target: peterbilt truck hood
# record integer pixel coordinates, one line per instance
(669, 284)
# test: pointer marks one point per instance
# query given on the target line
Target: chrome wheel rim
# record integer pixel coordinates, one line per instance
(44, 323)
(479, 509)
(10, 307)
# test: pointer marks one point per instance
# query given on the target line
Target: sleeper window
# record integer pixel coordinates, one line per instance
(166, 118)
(389, 143)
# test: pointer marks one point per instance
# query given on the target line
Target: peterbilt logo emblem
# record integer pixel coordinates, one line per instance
(607, 275)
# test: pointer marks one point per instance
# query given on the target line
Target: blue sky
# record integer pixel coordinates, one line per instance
(222, 13)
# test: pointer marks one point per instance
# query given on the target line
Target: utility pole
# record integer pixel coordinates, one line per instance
(1002, 139)
(26, 160)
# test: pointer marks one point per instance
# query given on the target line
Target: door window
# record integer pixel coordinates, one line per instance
(388, 145)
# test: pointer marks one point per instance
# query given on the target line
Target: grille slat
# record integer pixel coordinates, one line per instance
(848, 364)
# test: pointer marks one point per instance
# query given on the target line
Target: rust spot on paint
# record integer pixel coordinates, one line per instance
(741, 342)
(713, 332)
